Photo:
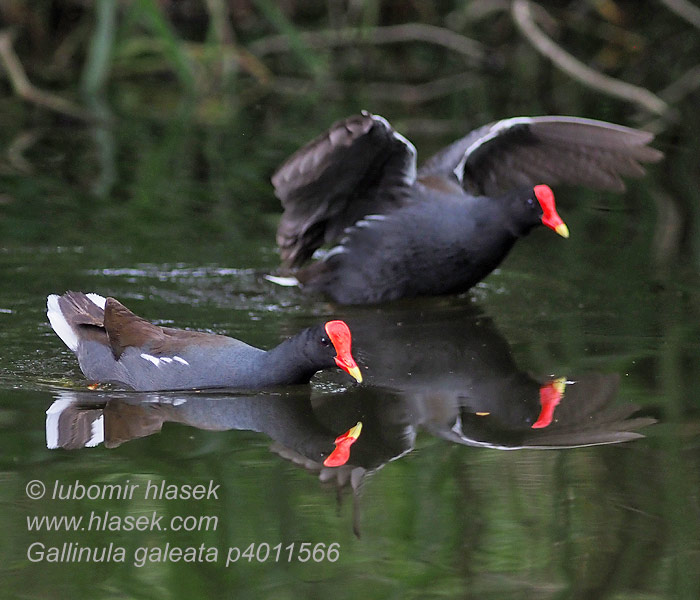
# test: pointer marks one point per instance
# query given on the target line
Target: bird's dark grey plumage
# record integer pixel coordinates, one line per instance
(113, 344)
(358, 186)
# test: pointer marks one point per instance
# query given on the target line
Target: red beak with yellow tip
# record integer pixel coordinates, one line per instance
(341, 454)
(550, 216)
(550, 397)
(339, 334)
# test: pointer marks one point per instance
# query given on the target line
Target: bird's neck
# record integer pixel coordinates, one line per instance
(287, 363)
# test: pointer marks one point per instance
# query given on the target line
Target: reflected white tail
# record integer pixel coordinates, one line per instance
(283, 281)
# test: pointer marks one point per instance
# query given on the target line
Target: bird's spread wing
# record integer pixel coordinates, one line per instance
(525, 151)
(359, 166)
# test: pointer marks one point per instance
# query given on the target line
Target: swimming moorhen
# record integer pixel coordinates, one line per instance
(114, 345)
(400, 231)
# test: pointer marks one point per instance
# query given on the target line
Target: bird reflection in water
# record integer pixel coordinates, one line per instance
(446, 371)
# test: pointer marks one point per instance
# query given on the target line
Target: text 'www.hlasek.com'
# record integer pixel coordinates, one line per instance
(141, 520)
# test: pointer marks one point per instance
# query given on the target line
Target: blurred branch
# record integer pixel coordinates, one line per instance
(579, 71)
(675, 93)
(410, 94)
(99, 54)
(391, 34)
(669, 230)
(294, 38)
(199, 55)
(152, 17)
(219, 24)
(685, 10)
(17, 148)
(26, 90)
(684, 85)
(223, 36)
(478, 10)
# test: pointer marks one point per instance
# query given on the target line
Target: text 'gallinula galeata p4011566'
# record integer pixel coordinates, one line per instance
(400, 231)
(114, 345)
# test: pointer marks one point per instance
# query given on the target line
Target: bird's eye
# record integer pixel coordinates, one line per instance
(325, 341)
(531, 202)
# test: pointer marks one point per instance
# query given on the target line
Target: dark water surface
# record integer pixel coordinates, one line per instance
(436, 501)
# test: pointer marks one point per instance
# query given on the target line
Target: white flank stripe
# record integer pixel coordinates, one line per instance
(182, 361)
(59, 323)
(335, 250)
(283, 281)
(149, 358)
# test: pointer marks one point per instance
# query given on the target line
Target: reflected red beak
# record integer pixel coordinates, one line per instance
(550, 397)
(550, 216)
(339, 334)
(341, 454)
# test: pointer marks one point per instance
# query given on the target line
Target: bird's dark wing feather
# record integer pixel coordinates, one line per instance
(125, 329)
(526, 151)
(358, 167)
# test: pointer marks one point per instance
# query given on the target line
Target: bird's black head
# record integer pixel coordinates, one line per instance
(535, 206)
(332, 343)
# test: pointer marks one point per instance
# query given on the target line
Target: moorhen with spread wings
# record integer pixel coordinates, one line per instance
(397, 231)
